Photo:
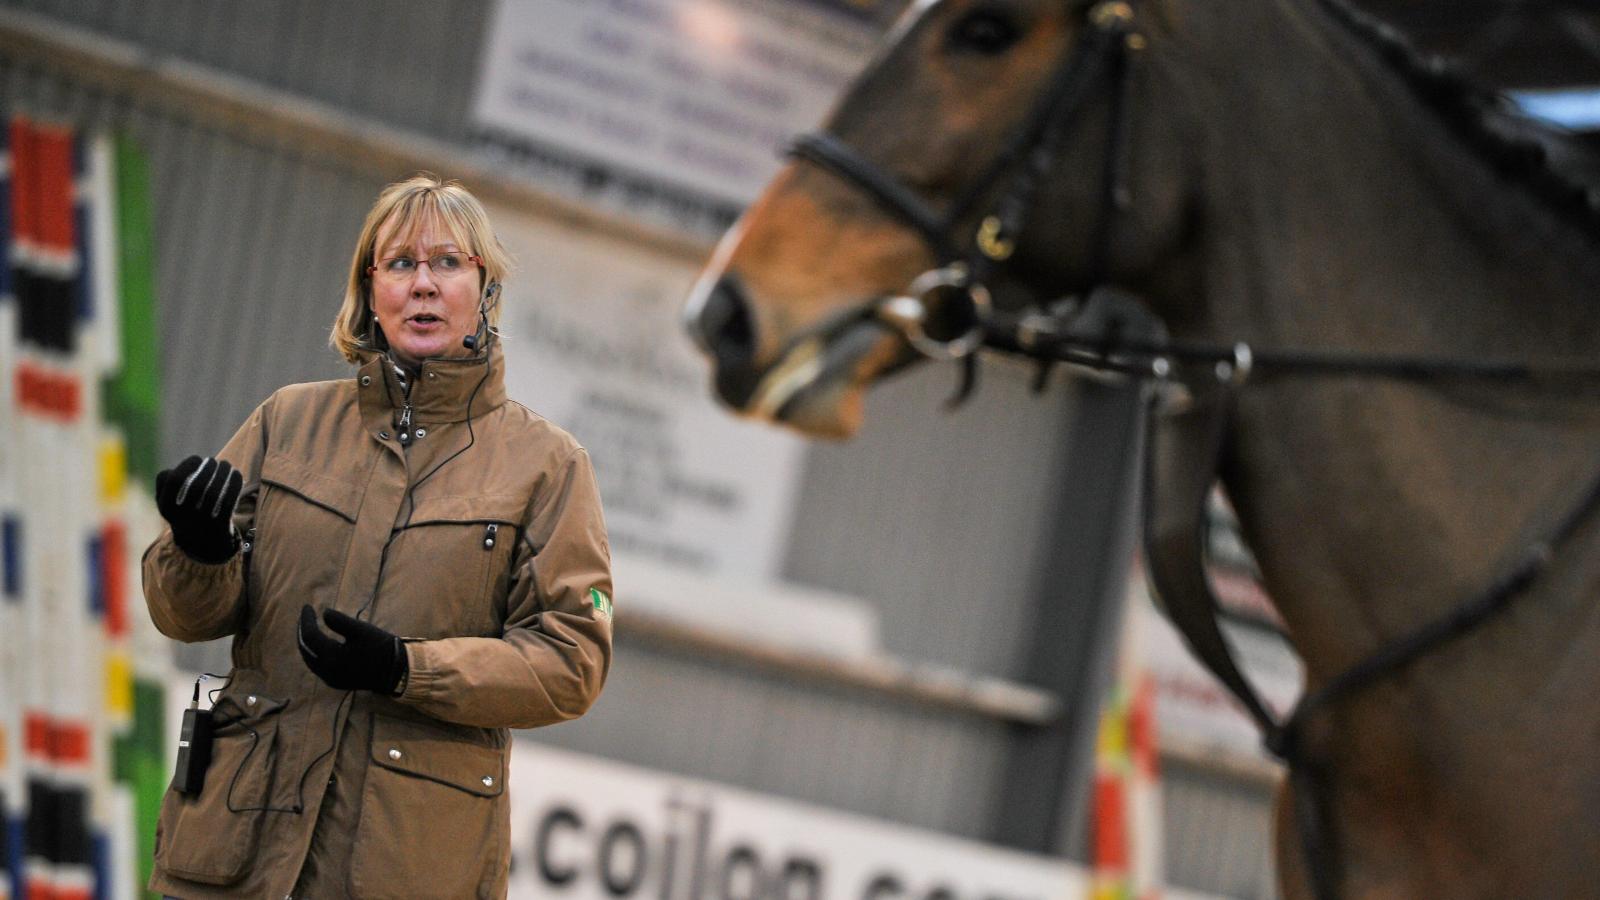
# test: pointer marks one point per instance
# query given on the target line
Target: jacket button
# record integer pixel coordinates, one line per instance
(384, 435)
(366, 380)
(394, 753)
(250, 700)
(487, 781)
(422, 432)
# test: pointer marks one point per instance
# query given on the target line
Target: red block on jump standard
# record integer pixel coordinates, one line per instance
(54, 395)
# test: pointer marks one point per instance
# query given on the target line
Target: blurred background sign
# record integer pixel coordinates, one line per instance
(590, 334)
(700, 94)
(698, 504)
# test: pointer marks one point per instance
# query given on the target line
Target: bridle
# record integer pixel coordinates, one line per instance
(1187, 439)
(1017, 172)
(1023, 163)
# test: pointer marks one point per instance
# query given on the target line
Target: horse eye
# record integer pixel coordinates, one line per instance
(986, 31)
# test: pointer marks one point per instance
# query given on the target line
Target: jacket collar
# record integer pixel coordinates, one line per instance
(443, 388)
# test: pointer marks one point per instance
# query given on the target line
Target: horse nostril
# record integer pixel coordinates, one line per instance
(724, 326)
(725, 323)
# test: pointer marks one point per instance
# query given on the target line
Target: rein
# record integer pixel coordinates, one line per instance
(1181, 465)
(947, 315)
(1051, 338)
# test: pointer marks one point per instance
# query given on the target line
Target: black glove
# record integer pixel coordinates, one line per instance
(197, 497)
(369, 659)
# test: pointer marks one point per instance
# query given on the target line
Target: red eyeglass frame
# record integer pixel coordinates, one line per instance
(373, 269)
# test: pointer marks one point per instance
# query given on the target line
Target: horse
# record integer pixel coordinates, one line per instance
(1261, 174)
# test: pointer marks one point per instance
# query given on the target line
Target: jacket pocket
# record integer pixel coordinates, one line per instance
(332, 494)
(212, 838)
(303, 525)
(449, 568)
(433, 813)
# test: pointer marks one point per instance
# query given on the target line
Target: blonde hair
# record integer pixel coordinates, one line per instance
(419, 201)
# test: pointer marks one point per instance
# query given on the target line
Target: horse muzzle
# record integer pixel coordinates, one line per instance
(811, 382)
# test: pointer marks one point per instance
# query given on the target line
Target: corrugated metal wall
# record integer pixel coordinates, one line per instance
(412, 63)
(939, 515)
(939, 519)
(1218, 832)
(838, 748)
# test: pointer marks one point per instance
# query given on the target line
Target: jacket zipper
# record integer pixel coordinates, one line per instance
(405, 424)
(488, 536)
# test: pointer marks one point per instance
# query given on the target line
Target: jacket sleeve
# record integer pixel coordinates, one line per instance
(195, 601)
(552, 660)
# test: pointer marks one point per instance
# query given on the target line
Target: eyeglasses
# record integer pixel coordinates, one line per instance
(440, 265)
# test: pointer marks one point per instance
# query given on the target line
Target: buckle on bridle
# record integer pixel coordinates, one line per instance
(1236, 371)
(992, 241)
(1111, 13)
(941, 314)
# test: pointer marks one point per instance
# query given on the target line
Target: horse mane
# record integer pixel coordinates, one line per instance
(1543, 158)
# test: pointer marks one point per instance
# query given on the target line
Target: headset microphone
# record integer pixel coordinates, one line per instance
(471, 341)
(490, 296)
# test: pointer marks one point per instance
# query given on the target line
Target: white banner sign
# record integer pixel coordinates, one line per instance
(594, 343)
(591, 829)
(698, 93)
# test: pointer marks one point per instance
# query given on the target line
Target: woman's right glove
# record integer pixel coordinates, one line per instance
(197, 497)
(368, 659)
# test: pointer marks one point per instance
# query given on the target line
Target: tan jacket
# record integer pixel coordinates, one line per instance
(486, 550)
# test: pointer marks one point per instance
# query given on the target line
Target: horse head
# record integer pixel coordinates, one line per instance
(987, 152)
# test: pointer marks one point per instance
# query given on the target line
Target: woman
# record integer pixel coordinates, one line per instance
(409, 565)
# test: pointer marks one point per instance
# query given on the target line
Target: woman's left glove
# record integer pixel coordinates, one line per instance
(368, 659)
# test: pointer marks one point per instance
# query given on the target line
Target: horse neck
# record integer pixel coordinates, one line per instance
(1340, 212)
